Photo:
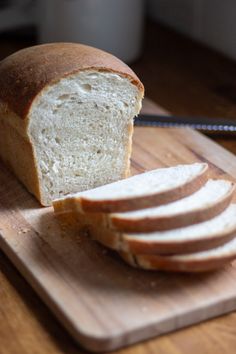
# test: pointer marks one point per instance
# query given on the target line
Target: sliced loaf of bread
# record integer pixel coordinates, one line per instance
(66, 118)
(194, 262)
(186, 234)
(193, 238)
(206, 203)
(157, 187)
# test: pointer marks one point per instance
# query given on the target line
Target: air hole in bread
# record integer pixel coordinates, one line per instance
(64, 97)
(86, 87)
(92, 75)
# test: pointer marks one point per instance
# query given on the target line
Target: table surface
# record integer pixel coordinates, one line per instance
(184, 78)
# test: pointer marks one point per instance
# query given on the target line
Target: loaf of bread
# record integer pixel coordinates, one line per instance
(66, 118)
(192, 233)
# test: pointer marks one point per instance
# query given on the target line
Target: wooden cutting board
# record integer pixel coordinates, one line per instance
(103, 302)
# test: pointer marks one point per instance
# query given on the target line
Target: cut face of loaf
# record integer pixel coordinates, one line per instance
(152, 188)
(194, 262)
(81, 131)
(203, 205)
(193, 238)
(66, 118)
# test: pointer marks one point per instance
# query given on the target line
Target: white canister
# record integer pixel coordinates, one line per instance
(112, 25)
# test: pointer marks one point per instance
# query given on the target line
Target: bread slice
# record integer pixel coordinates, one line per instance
(194, 238)
(203, 205)
(194, 262)
(204, 235)
(157, 187)
(66, 118)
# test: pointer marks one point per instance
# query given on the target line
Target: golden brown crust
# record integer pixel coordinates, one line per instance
(161, 223)
(146, 201)
(169, 264)
(136, 246)
(17, 154)
(25, 73)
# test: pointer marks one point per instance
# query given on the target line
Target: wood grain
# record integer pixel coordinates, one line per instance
(102, 302)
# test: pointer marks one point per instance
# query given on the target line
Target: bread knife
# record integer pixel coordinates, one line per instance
(205, 124)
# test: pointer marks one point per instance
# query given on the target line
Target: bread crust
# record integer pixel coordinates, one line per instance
(147, 201)
(23, 75)
(17, 154)
(188, 246)
(161, 223)
(165, 263)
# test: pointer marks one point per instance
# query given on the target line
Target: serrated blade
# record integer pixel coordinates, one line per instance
(207, 124)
